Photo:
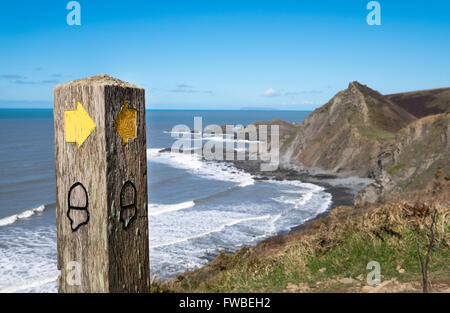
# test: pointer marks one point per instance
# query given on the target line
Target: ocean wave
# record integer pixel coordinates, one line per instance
(306, 190)
(180, 133)
(212, 137)
(28, 259)
(29, 284)
(294, 203)
(194, 164)
(324, 204)
(304, 199)
(221, 139)
(157, 209)
(297, 183)
(214, 230)
(26, 214)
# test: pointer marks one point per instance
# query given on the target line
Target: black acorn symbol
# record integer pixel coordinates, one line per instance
(78, 213)
(128, 199)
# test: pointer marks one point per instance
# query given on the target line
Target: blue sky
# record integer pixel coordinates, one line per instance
(288, 55)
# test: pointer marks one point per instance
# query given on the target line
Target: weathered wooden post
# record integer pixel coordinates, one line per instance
(101, 186)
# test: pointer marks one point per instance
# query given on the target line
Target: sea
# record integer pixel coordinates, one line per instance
(196, 208)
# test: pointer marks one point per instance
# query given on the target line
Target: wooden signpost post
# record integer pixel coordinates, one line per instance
(101, 186)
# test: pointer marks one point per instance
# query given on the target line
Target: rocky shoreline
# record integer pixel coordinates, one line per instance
(342, 188)
(342, 193)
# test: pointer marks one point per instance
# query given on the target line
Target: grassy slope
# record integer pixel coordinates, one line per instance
(423, 102)
(335, 247)
(385, 118)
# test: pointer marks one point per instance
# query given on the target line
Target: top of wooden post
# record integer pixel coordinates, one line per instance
(98, 80)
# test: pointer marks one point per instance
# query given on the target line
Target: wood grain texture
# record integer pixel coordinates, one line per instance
(113, 258)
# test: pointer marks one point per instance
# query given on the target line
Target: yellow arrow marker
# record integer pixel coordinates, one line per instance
(78, 125)
(125, 123)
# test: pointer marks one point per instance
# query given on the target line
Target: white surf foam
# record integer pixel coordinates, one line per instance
(306, 190)
(31, 284)
(303, 200)
(225, 139)
(28, 259)
(26, 214)
(157, 209)
(194, 164)
(201, 233)
(214, 230)
(298, 183)
(179, 133)
(275, 219)
(212, 137)
(321, 206)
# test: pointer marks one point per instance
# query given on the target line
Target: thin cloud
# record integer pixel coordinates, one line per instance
(184, 88)
(32, 82)
(25, 82)
(12, 76)
(270, 92)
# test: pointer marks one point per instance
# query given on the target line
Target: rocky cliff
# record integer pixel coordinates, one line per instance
(361, 132)
(351, 133)
(419, 164)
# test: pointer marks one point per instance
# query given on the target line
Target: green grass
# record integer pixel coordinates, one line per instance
(290, 139)
(351, 258)
(394, 169)
(376, 133)
(368, 131)
(441, 101)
